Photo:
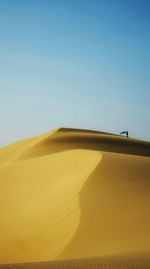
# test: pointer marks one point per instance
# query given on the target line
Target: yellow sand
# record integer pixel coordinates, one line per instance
(73, 194)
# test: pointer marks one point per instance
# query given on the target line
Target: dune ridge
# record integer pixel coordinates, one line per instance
(76, 198)
(66, 139)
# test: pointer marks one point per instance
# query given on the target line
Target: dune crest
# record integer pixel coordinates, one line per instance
(74, 194)
(66, 139)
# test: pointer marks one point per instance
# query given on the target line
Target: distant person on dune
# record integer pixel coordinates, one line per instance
(125, 132)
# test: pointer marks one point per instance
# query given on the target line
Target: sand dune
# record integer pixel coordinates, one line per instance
(75, 195)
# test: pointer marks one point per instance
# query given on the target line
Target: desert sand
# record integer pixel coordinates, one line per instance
(75, 199)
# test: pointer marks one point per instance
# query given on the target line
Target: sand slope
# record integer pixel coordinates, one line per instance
(74, 194)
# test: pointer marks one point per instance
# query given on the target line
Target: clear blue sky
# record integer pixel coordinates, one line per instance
(74, 63)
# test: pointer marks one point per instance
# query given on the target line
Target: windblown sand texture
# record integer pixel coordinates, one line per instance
(75, 199)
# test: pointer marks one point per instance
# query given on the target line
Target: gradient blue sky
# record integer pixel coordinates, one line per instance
(74, 63)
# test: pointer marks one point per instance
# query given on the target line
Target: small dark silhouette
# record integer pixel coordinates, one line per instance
(125, 132)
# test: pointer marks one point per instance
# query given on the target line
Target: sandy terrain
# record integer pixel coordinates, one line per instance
(79, 199)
